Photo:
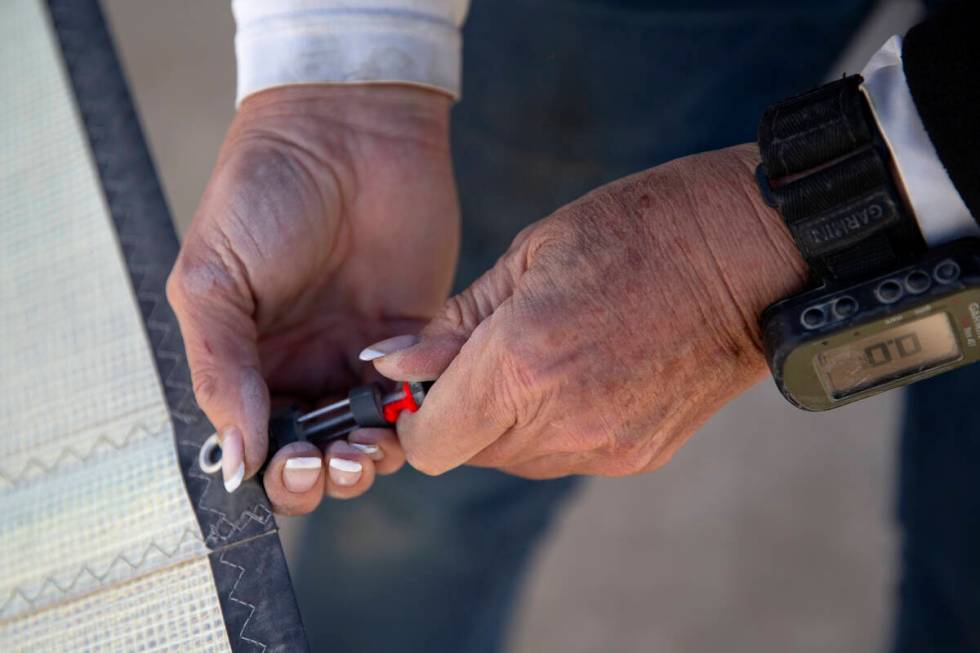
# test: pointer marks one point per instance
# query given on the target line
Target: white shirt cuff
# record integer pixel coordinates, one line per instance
(339, 41)
(938, 208)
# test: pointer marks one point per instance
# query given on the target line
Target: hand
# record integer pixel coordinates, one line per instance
(609, 332)
(330, 220)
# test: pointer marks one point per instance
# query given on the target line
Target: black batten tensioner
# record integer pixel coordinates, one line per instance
(366, 406)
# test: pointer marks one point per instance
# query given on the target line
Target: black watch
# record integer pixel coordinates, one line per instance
(881, 310)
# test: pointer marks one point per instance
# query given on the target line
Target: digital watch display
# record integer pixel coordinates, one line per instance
(917, 346)
(842, 342)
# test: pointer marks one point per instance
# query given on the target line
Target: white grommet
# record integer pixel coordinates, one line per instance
(209, 458)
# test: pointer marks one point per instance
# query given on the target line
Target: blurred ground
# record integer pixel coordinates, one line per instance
(771, 531)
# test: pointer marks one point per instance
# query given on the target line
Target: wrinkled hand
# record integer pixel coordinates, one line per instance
(608, 332)
(330, 221)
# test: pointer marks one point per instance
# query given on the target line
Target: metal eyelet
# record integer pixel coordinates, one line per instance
(209, 457)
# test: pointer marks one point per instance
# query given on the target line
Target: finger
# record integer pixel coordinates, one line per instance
(294, 479)
(350, 473)
(381, 446)
(214, 313)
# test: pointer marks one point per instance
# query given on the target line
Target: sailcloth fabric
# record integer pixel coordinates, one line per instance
(102, 541)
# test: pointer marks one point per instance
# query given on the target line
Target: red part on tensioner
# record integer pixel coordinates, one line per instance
(393, 409)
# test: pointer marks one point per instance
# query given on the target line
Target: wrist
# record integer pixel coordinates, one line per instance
(764, 246)
(748, 258)
(325, 115)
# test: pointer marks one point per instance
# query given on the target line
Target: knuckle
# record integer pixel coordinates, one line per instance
(524, 382)
(205, 384)
(520, 362)
(623, 454)
(510, 396)
(634, 463)
(660, 460)
(659, 455)
(461, 313)
(174, 287)
(543, 234)
(529, 241)
(205, 273)
(527, 233)
(454, 313)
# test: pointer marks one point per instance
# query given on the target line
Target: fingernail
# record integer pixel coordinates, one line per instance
(232, 458)
(371, 450)
(301, 474)
(385, 347)
(344, 472)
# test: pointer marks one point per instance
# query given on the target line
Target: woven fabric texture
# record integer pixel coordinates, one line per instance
(100, 548)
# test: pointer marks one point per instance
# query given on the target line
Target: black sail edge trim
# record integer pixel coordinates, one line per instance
(246, 558)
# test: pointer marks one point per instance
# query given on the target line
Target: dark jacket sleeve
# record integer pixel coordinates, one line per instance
(941, 57)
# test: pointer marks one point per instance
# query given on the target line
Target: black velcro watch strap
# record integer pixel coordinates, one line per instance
(826, 169)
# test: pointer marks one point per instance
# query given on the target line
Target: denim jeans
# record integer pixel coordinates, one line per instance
(939, 510)
(559, 96)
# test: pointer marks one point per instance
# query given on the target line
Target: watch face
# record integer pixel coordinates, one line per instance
(894, 353)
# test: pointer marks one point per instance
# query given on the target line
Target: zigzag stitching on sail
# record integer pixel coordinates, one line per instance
(247, 515)
(69, 453)
(259, 513)
(250, 606)
(99, 578)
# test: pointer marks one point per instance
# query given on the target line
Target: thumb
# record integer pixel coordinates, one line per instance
(215, 316)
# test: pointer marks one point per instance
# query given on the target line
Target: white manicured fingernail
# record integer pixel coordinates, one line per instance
(385, 347)
(301, 474)
(345, 472)
(369, 449)
(232, 458)
(304, 463)
(232, 483)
